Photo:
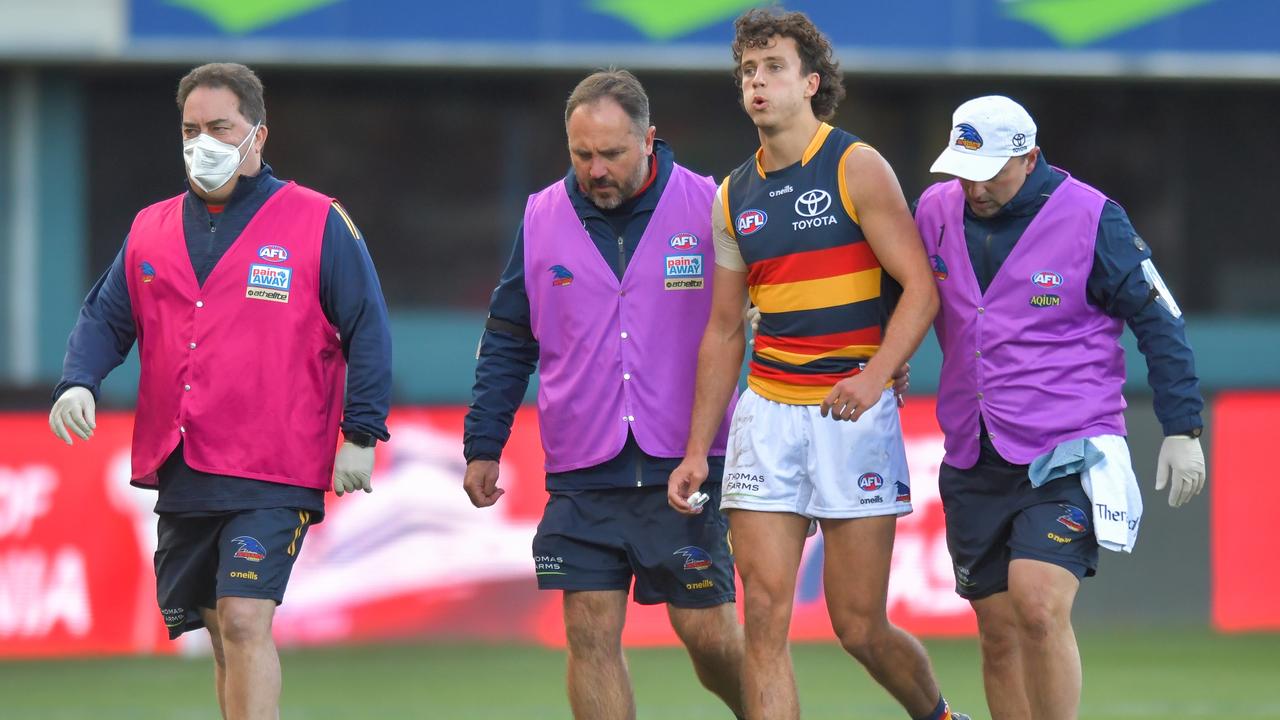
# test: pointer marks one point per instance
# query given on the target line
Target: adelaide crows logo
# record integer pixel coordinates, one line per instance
(250, 549)
(560, 276)
(695, 558)
(148, 272)
(1072, 518)
(967, 137)
(939, 267)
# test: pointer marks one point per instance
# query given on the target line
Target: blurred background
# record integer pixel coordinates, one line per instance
(432, 122)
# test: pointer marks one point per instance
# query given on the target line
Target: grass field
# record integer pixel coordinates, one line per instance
(1128, 675)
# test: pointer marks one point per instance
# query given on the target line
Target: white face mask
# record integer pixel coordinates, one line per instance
(212, 163)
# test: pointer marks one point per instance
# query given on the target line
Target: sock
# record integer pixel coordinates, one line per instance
(941, 712)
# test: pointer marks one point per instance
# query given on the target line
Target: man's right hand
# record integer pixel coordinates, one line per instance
(685, 481)
(481, 483)
(73, 409)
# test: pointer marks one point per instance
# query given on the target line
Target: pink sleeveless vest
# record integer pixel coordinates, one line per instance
(246, 371)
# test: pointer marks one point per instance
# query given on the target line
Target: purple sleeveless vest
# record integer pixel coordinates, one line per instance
(1039, 362)
(617, 355)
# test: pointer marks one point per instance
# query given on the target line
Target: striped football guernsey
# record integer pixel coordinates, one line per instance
(810, 271)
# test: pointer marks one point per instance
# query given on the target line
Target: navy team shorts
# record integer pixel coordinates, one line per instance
(238, 553)
(994, 515)
(601, 539)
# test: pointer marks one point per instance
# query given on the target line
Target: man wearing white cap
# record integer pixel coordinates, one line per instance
(1038, 273)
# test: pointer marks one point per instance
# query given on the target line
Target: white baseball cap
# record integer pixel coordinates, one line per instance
(985, 133)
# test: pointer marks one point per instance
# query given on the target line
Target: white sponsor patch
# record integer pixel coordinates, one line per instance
(270, 276)
(1164, 297)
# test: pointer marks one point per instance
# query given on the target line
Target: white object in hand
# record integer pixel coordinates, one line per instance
(698, 499)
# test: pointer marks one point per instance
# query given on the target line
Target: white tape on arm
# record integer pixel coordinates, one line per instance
(1164, 298)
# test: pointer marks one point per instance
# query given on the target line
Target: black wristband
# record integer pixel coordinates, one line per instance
(359, 439)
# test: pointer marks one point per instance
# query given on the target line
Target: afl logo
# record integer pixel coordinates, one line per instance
(870, 482)
(273, 253)
(684, 241)
(1046, 279)
(750, 221)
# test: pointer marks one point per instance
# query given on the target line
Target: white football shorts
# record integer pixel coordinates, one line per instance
(788, 458)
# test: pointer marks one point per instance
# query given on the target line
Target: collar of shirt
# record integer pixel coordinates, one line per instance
(646, 201)
(250, 193)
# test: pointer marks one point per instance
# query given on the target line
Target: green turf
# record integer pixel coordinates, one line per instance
(1128, 675)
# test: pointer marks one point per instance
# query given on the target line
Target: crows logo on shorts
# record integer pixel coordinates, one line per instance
(1072, 518)
(904, 491)
(695, 558)
(250, 549)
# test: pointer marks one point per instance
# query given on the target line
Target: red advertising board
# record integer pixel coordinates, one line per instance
(1243, 502)
(411, 560)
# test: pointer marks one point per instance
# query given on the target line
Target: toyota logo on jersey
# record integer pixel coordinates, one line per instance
(813, 203)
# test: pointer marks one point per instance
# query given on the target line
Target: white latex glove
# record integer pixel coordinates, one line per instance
(353, 469)
(74, 409)
(1182, 462)
(752, 318)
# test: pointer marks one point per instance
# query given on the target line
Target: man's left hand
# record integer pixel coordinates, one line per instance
(902, 383)
(1181, 466)
(353, 469)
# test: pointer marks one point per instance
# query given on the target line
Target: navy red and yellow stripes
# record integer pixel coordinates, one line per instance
(817, 284)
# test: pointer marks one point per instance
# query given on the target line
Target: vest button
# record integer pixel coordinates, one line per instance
(192, 346)
(624, 334)
(626, 376)
(186, 388)
(977, 353)
(979, 396)
(181, 429)
(981, 310)
(199, 303)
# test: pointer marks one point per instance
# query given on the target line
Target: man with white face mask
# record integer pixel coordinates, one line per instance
(252, 300)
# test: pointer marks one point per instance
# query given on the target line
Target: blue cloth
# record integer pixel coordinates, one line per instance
(350, 295)
(1069, 458)
(509, 354)
(1116, 284)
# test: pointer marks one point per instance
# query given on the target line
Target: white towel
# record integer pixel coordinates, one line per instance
(1113, 489)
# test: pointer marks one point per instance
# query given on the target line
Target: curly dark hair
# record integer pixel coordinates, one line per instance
(757, 28)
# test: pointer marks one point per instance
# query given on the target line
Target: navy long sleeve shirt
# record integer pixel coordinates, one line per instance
(508, 351)
(1116, 284)
(351, 298)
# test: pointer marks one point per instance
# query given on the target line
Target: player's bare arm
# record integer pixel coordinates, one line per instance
(719, 363)
(886, 221)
